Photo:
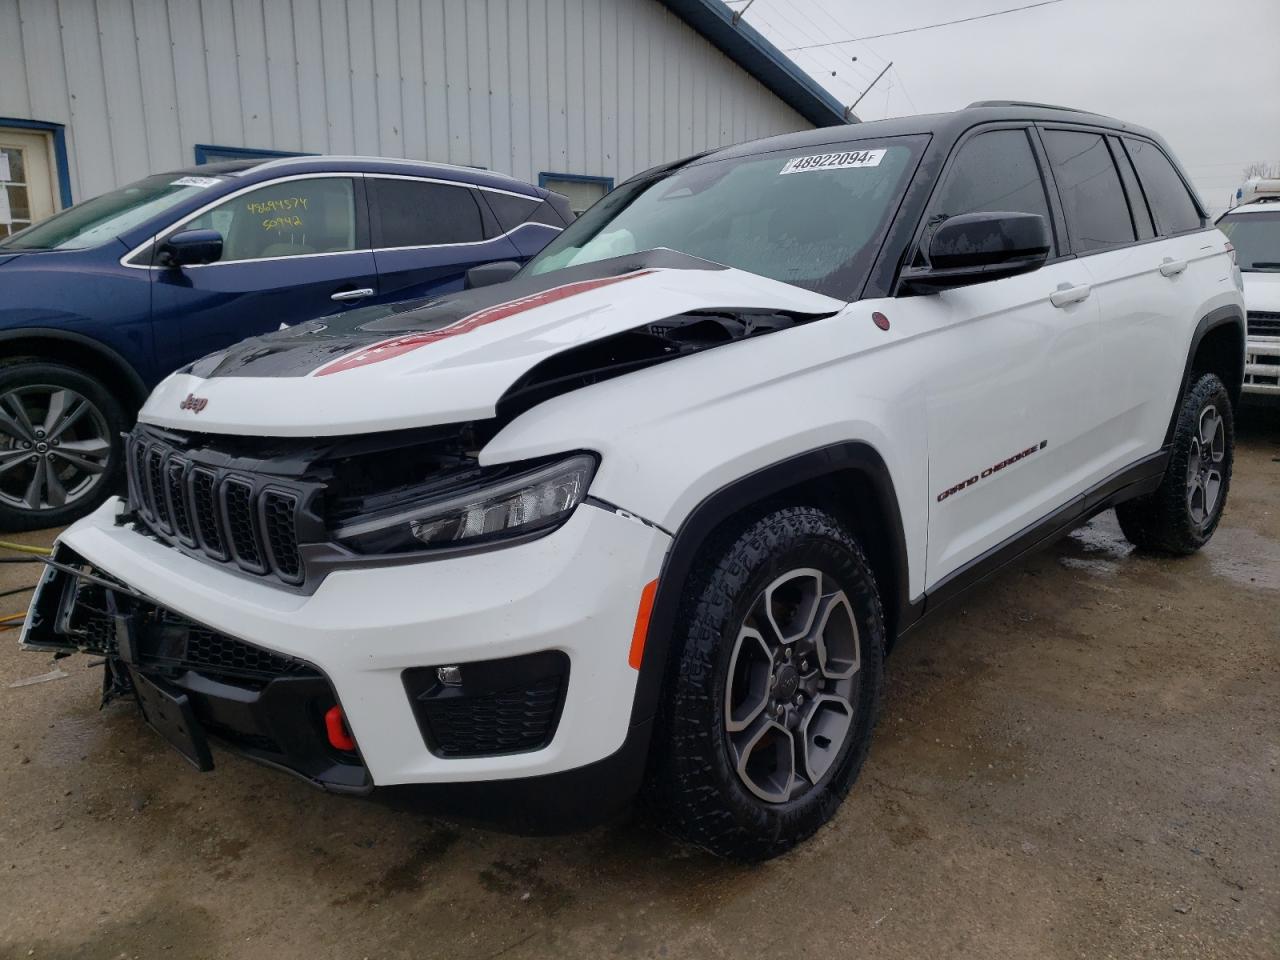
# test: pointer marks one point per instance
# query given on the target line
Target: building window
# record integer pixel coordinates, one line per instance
(208, 153)
(581, 190)
(34, 182)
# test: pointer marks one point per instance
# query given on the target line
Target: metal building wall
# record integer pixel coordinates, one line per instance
(590, 87)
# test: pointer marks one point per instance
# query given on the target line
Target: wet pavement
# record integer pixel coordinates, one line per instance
(1078, 760)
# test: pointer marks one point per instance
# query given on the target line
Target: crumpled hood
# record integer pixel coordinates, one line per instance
(449, 359)
(1262, 291)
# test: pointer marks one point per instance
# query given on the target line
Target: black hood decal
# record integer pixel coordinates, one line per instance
(301, 350)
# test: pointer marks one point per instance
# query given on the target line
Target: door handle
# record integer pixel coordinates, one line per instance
(1170, 267)
(352, 294)
(1066, 294)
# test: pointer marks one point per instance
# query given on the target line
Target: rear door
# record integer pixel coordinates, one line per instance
(428, 233)
(1009, 400)
(293, 249)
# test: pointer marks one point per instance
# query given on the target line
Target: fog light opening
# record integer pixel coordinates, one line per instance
(335, 725)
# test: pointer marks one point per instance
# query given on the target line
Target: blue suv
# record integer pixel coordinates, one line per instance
(100, 302)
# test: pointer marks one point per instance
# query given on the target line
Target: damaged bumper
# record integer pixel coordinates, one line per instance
(542, 628)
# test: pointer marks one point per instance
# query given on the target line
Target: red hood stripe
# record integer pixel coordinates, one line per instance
(395, 346)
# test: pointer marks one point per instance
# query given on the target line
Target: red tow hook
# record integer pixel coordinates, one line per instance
(335, 725)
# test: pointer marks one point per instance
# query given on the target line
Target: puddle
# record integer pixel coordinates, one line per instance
(1244, 557)
(1098, 547)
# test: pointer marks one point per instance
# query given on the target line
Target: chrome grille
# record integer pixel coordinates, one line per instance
(1264, 323)
(231, 518)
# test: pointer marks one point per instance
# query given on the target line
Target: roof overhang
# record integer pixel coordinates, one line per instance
(744, 45)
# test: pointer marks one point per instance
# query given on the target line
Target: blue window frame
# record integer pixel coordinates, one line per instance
(209, 153)
(59, 132)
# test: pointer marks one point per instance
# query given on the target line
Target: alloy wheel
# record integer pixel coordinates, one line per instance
(1204, 466)
(54, 447)
(791, 696)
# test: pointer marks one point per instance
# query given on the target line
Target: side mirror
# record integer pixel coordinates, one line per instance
(487, 274)
(189, 247)
(976, 247)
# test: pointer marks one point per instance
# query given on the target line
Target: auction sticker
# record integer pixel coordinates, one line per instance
(833, 161)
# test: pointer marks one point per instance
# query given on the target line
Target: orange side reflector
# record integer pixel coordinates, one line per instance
(642, 624)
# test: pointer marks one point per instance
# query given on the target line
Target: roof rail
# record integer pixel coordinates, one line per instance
(1028, 103)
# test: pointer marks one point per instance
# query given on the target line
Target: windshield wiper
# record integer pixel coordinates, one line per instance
(1262, 265)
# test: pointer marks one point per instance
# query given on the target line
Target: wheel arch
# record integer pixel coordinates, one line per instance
(851, 480)
(1217, 346)
(73, 349)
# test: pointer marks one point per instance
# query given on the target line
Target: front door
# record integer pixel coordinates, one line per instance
(1010, 399)
(293, 250)
(28, 189)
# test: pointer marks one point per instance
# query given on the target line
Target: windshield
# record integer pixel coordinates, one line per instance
(811, 217)
(95, 221)
(1256, 237)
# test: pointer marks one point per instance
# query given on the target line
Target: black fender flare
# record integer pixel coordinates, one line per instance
(108, 355)
(739, 495)
(1212, 320)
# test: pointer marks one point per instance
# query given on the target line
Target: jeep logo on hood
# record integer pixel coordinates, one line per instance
(193, 403)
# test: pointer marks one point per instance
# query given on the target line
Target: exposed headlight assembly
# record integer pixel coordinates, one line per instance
(500, 506)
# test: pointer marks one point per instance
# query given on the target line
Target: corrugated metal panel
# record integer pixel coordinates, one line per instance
(589, 87)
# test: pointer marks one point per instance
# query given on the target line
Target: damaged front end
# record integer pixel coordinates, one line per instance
(643, 346)
(192, 683)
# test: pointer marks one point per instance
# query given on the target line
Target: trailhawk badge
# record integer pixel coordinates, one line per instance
(193, 403)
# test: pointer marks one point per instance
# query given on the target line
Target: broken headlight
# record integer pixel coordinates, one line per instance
(496, 504)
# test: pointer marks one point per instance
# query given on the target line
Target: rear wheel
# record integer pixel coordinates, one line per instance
(774, 686)
(60, 447)
(1182, 514)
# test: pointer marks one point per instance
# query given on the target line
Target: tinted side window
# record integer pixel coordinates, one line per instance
(1137, 199)
(1092, 198)
(511, 211)
(1170, 200)
(289, 219)
(415, 213)
(994, 171)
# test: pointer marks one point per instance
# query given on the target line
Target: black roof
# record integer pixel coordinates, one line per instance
(944, 127)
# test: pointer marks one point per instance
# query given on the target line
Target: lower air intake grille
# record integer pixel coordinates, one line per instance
(501, 706)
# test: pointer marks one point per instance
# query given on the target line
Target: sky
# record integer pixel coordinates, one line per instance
(1203, 73)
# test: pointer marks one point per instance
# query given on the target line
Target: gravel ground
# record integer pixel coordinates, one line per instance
(1078, 760)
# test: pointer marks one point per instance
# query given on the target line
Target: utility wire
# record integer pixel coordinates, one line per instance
(928, 26)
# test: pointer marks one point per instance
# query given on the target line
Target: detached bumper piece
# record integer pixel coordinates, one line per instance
(193, 683)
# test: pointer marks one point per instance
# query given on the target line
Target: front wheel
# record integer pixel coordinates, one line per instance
(1182, 514)
(773, 689)
(60, 447)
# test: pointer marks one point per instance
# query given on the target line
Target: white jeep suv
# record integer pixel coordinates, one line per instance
(650, 513)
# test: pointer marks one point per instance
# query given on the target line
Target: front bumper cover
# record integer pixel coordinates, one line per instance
(575, 591)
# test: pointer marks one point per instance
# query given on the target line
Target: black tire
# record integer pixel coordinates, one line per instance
(84, 490)
(693, 783)
(1168, 521)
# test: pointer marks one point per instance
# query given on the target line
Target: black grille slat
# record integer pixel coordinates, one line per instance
(1264, 323)
(510, 721)
(138, 463)
(241, 525)
(279, 531)
(155, 487)
(204, 501)
(176, 490)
